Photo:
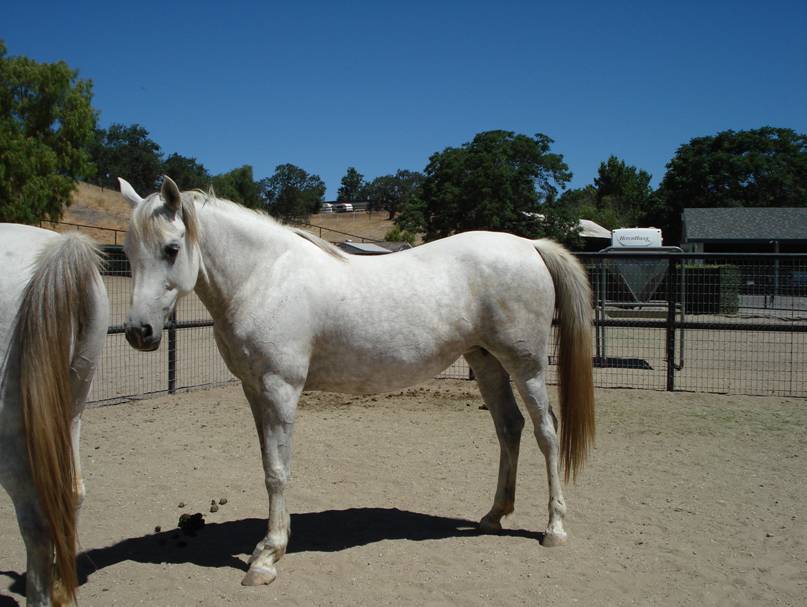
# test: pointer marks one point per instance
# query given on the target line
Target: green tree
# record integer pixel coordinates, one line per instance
(396, 234)
(393, 192)
(625, 189)
(128, 152)
(412, 217)
(186, 172)
(499, 181)
(584, 203)
(353, 188)
(621, 196)
(557, 221)
(239, 186)
(292, 193)
(46, 122)
(765, 167)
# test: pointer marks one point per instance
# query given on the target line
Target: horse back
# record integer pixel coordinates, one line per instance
(399, 319)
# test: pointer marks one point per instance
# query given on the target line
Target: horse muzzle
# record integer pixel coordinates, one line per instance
(142, 337)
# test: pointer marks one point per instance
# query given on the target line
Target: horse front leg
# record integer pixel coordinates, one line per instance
(274, 407)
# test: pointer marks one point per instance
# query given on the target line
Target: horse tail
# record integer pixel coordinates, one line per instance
(55, 307)
(573, 303)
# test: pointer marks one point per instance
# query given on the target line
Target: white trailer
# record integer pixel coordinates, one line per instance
(636, 238)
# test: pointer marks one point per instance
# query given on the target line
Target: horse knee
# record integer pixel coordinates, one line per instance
(277, 476)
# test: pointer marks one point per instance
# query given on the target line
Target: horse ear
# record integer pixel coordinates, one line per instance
(170, 193)
(128, 192)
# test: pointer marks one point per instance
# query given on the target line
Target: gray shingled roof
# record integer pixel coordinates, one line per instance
(363, 248)
(745, 224)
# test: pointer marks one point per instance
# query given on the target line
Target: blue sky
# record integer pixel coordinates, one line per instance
(381, 86)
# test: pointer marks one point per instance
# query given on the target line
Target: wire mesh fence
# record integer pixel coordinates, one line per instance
(704, 323)
(187, 356)
(727, 323)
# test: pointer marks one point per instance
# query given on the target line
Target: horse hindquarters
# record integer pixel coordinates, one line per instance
(59, 329)
(573, 304)
(527, 368)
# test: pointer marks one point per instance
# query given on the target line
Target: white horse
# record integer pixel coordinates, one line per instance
(292, 312)
(53, 319)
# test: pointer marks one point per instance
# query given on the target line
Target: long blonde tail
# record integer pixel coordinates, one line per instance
(573, 303)
(55, 307)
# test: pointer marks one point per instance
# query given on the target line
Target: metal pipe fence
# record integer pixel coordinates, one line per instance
(723, 323)
(101, 235)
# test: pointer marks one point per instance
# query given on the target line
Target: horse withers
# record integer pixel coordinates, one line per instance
(53, 319)
(289, 309)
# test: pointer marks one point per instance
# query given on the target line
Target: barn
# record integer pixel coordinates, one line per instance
(745, 230)
(370, 248)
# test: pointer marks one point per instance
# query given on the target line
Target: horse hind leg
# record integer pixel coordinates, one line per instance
(533, 392)
(494, 384)
(38, 547)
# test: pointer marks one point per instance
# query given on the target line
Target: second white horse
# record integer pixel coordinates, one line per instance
(292, 312)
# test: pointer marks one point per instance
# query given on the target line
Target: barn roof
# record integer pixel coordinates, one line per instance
(363, 248)
(745, 224)
(589, 229)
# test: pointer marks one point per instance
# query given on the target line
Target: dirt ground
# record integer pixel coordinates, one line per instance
(688, 499)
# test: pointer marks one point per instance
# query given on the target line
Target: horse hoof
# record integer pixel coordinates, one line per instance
(259, 576)
(554, 539)
(489, 525)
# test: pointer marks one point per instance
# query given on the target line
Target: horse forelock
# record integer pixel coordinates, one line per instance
(151, 220)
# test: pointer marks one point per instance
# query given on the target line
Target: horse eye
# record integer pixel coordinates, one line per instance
(171, 251)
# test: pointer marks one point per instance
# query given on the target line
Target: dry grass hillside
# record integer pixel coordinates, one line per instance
(105, 208)
(371, 226)
(94, 206)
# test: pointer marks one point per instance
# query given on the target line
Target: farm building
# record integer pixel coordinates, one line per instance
(370, 248)
(593, 236)
(745, 230)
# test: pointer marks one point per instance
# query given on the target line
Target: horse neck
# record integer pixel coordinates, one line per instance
(232, 243)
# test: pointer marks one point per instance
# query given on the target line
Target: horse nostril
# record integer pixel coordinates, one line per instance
(146, 331)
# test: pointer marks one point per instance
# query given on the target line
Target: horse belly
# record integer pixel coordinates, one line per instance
(382, 370)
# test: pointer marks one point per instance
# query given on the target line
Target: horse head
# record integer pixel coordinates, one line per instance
(164, 257)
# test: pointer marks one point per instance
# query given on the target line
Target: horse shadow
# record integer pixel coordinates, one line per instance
(17, 585)
(222, 544)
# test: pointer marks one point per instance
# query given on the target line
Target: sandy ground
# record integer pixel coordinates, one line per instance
(688, 499)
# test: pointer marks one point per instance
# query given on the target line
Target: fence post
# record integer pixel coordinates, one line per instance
(172, 352)
(672, 276)
(602, 293)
